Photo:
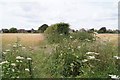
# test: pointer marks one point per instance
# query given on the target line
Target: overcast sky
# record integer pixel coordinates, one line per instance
(78, 13)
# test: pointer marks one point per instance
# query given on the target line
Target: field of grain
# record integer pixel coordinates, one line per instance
(35, 39)
(25, 39)
(113, 38)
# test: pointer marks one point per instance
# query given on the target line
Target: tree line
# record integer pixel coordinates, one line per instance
(61, 27)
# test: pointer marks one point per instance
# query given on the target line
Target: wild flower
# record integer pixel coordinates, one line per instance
(19, 57)
(14, 46)
(91, 57)
(68, 47)
(17, 77)
(20, 45)
(17, 60)
(72, 64)
(26, 69)
(87, 40)
(29, 59)
(20, 61)
(23, 47)
(13, 64)
(114, 77)
(79, 47)
(116, 57)
(96, 53)
(4, 52)
(8, 50)
(71, 37)
(4, 62)
(61, 34)
(13, 70)
(85, 60)
(92, 53)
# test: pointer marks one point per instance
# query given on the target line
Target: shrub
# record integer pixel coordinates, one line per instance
(58, 28)
(83, 36)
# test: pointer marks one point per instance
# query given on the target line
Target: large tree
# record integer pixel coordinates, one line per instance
(102, 30)
(13, 30)
(43, 28)
(5, 30)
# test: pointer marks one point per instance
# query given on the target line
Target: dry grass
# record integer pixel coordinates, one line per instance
(113, 38)
(26, 39)
(35, 39)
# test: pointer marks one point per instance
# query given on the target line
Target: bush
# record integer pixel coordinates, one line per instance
(59, 28)
(83, 36)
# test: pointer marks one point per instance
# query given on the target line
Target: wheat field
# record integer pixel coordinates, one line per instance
(25, 39)
(36, 39)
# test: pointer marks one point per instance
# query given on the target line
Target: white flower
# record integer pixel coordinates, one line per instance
(91, 57)
(27, 69)
(21, 61)
(17, 77)
(114, 77)
(4, 62)
(90, 53)
(4, 52)
(61, 34)
(96, 53)
(85, 60)
(29, 59)
(116, 57)
(17, 60)
(14, 46)
(87, 40)
(20, 45)
(8, 50)
(79, 47)
(13, 64)
(19, 57)
(13, 70)
(71, 37)
(23, 47)
(68, 47)
(72, 64)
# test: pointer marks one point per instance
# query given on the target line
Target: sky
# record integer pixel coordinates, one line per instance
(27, 14)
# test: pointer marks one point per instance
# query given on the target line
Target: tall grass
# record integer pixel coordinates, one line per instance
(78, 55)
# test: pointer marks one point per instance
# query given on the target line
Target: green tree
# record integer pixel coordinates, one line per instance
(5, 30)
(43, 28)
(13, 30)
(59, 28)
(102, 30)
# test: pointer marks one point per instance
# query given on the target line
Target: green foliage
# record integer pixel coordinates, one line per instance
(5, 30)
(43, 28)
(83, 36)
(13, 30)
(59, 28)
(15, 64)
(102, 30)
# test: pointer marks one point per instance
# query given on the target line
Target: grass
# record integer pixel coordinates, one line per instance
(68, 58)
